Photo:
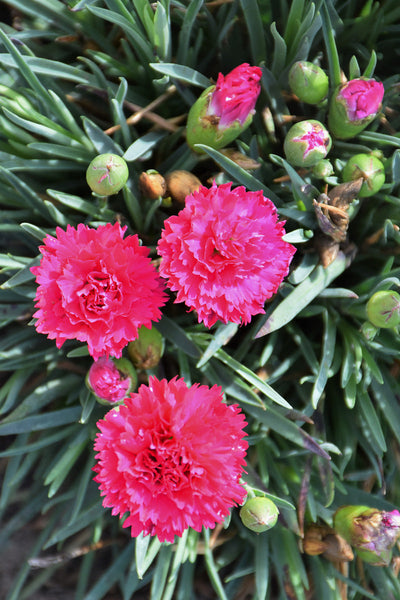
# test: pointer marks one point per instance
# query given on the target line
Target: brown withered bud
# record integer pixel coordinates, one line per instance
(240, 159)
(321, 539)
(180, 184)
(152, 184)
(331, 209)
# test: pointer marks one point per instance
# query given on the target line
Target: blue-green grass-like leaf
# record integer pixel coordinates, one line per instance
(186, 30)
(129, 27)
(327, 353)
(251, 13)
(83, 520)
(303, 295)
(111, 574)
(181, 73)
(54, 418)
(175, 334)
(252, 378)
(143, 145)
(261, 551)
(221, 337)
(145, 553)
(100, 140)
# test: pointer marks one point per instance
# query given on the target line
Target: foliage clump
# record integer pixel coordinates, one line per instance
(315, 378)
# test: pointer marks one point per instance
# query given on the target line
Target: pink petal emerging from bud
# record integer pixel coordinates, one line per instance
(363, 97)
(107, 381)
(235, 95)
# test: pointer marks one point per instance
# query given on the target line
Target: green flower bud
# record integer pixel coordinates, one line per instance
(107, 174)
(322, 169)
(369, 168)
(147, 349)
(370, 531)
(383, 309)
(309, 82)
(306, 143)
(259, 514)
(368, 330)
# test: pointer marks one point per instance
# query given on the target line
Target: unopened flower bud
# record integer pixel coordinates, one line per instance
(224, 110)
(368, 330)
(306, 143)
(369, 168)
(383, 309)
(111, 379)
(259, 514)
(322, 169)
(147, 349)
(107, 174)
(181, 184)
(152, 184)
(308, 81)
(353, 106)
(370, 531)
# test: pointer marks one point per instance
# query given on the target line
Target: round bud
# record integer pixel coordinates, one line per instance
(147, 349)
(322, 169)
(309, 82)
(259, 514)
(152, 184)
(107, 174)
(180, 184)
(370, 168)
(383, 309)
(306, 143)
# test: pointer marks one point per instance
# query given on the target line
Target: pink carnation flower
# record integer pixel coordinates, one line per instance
(96, 287)
(107, 381)
(362, 98)
(171, 457)
(235, 95)
(223, 253)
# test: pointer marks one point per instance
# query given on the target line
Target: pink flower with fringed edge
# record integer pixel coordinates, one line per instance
(171, 457)
(223, 253)
(96, 287)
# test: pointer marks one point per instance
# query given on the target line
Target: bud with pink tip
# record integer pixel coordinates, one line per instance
(111, 379)
(306, 143)
(224, 110)
(353, 106)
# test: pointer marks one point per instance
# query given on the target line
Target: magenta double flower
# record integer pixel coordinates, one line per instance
(96, 287)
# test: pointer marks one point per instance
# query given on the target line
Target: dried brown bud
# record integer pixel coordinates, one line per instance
(152, 184)
(180, 184)
(321, 539)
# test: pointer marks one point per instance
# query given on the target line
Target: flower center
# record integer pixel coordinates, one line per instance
(162, 466)
(99, 292)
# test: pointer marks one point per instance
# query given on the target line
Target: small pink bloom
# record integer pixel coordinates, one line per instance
(107, 381)
(362, 98)
(170, 458)
(235, 95)
(96, 287)
(223, 253)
